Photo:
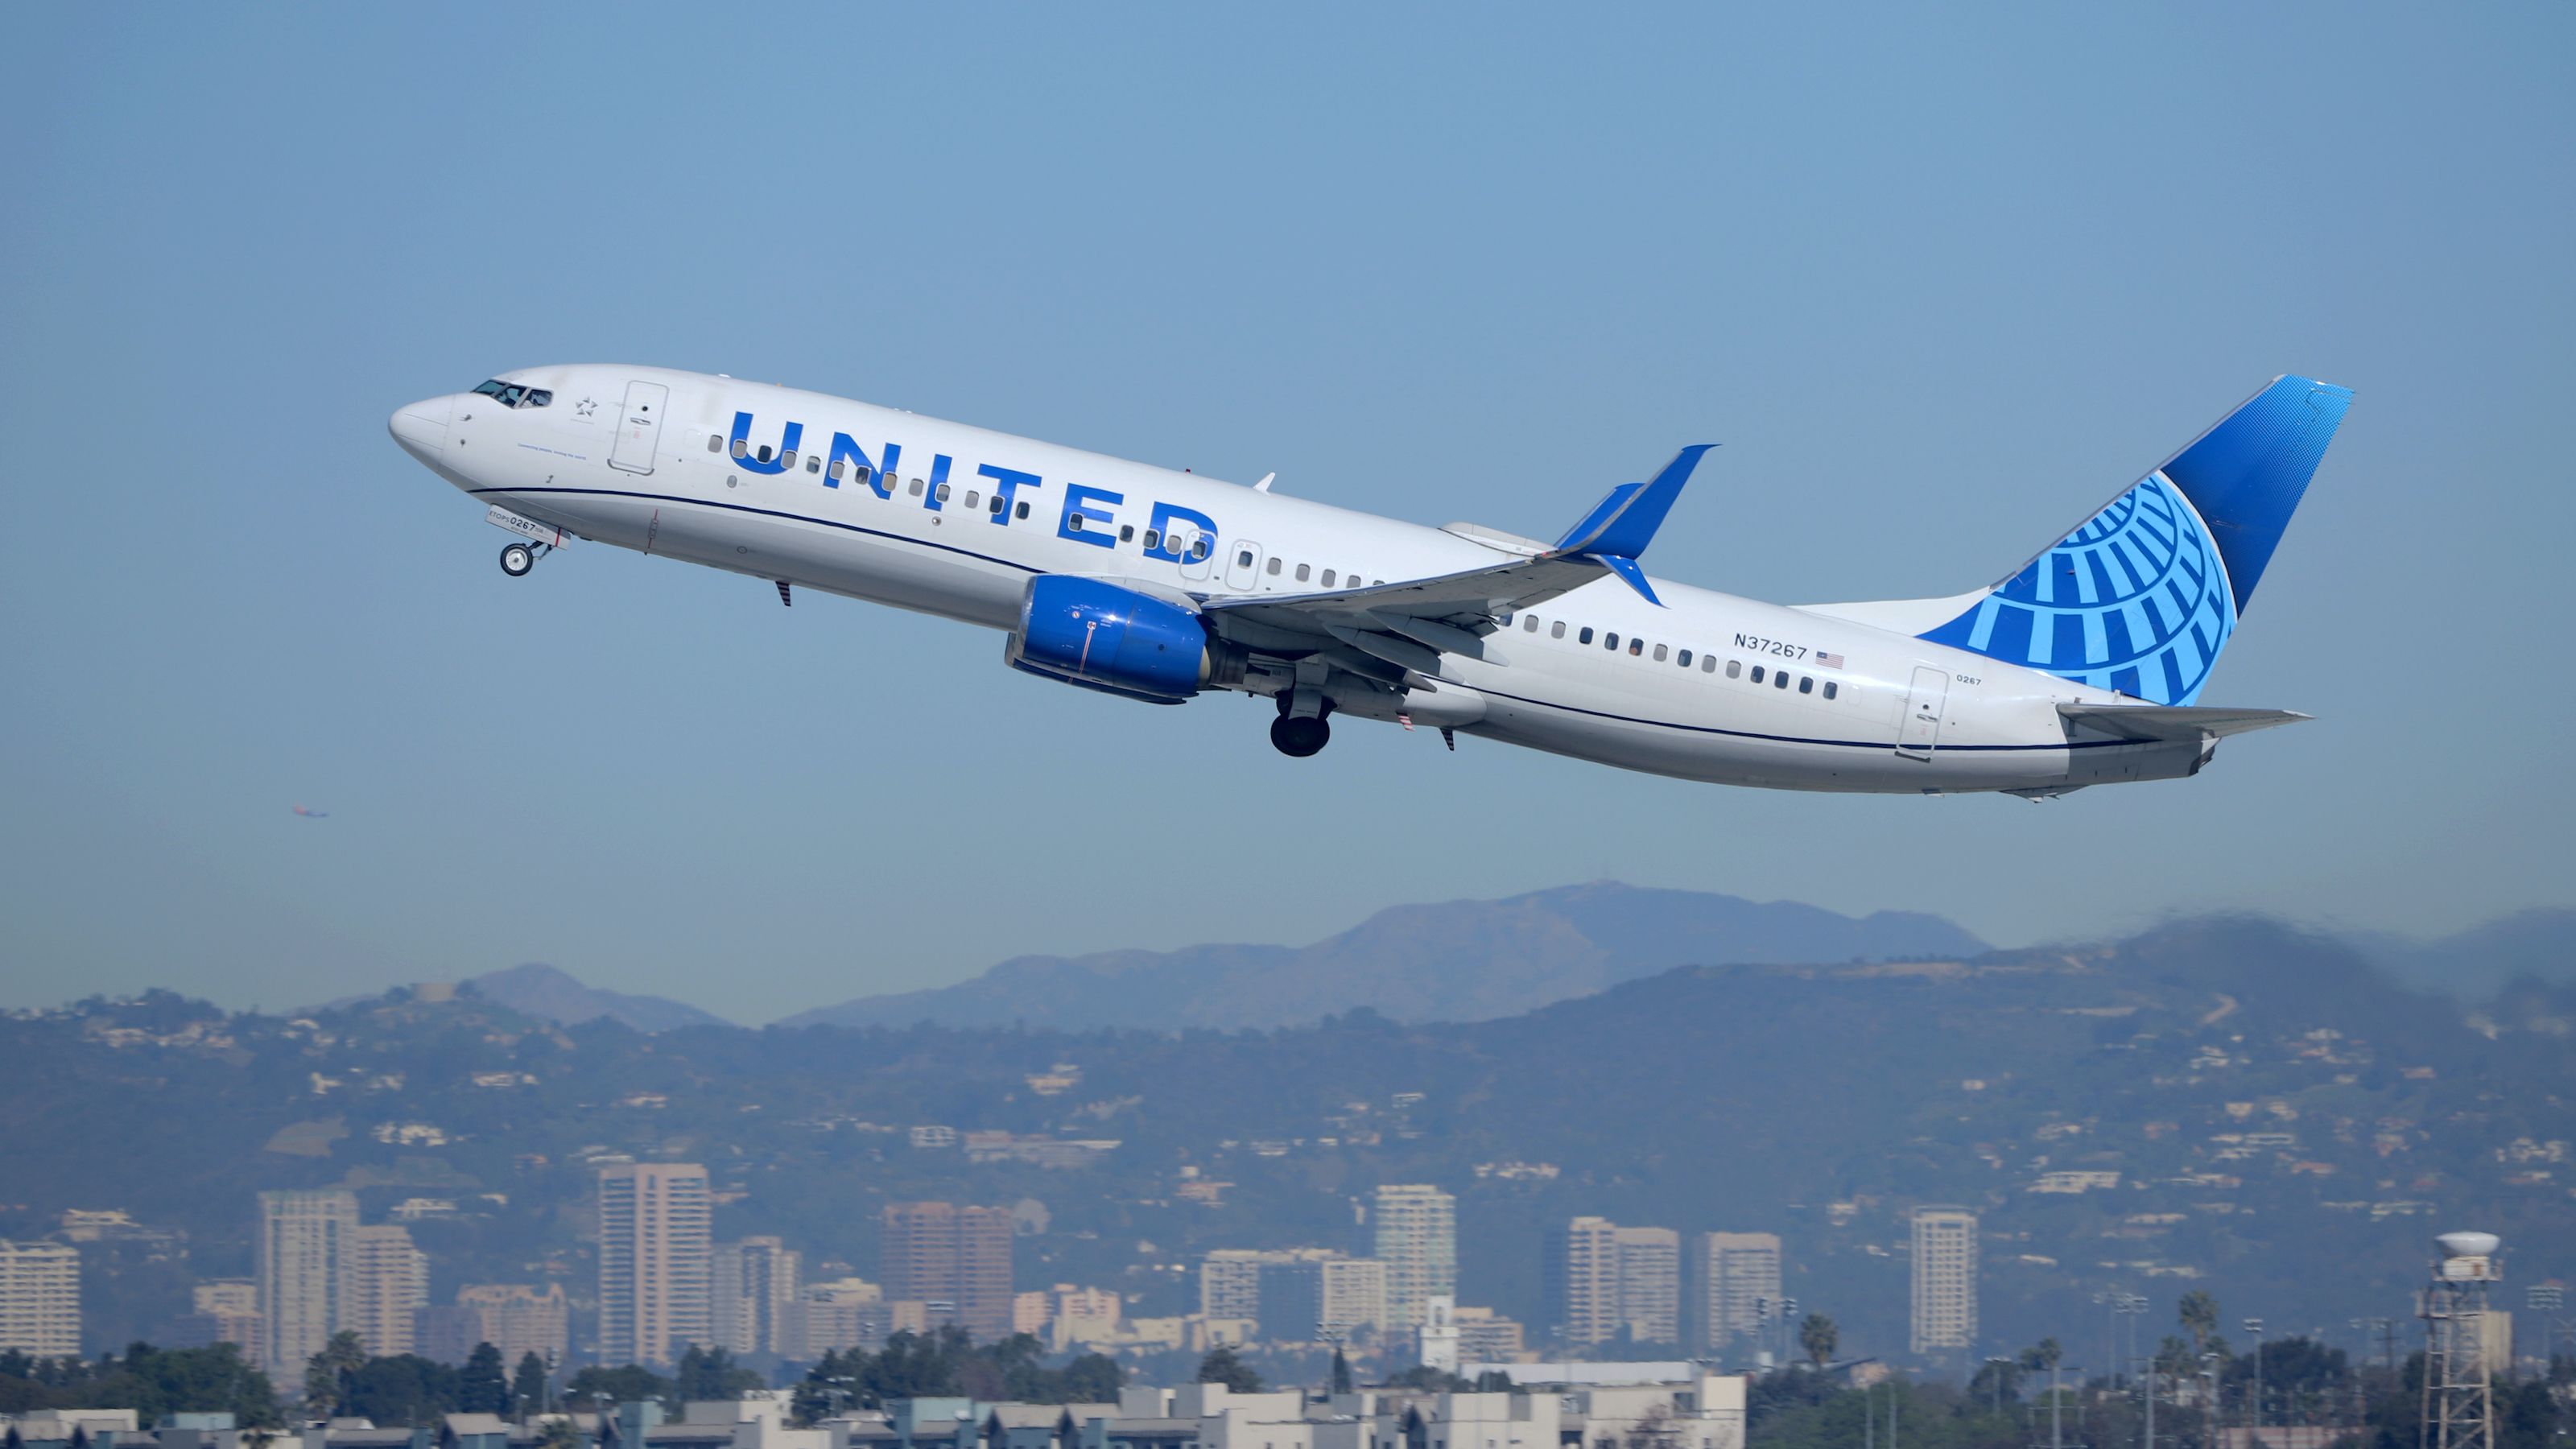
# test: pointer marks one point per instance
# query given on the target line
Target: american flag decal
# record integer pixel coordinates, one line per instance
(1830, 661)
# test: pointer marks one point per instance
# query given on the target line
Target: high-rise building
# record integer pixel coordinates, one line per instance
(844, 1313)
(1945, 1279)
(755, 1296)
(1417, 1240)
(1739, 1276)
(40, 1307)
(307, 1269)
(1485, 1336)
(228, 1312)
(655, 1261)
(388, 1283)
(1318, 1297)
(1230, 1282)
(954, 1261)
(517, 1318)
(1603, 1279)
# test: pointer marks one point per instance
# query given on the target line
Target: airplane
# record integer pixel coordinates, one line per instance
(2083, 666)
(310, 814)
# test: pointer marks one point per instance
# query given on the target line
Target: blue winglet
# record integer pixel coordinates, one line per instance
(1625, 522)
(1626, 568)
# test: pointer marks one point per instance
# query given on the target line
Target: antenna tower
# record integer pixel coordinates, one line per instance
(2459, 1405)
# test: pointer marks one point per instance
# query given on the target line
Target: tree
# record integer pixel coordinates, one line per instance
(558, 1434)
(1819, 1338)
(710, 1374)
(1221, 1366)
(606, 1388)
(1094, 1378)
(528, 1385)
(2198, 1313)
(2042, 1356)
(479, 1386)
(402, 1389)
(1341, 1383)
(326, 1376)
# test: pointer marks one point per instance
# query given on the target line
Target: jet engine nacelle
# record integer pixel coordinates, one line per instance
(1101, 636)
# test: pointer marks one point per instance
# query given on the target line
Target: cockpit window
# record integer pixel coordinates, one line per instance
(515, 395)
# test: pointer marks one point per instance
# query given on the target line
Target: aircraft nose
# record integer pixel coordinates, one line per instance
(421, 427)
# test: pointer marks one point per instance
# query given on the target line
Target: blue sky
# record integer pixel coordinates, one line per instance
(1941, 281)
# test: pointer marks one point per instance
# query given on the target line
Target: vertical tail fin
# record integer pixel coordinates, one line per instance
(2144, 594)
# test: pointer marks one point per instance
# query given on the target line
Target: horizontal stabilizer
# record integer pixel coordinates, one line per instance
(2174, 721)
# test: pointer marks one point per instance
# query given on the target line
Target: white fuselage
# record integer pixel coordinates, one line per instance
(643, 458)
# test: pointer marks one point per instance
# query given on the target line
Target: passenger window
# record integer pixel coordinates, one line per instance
(1274, 568)
(916, 488)
(1302, 572)
(970, 496)
(764, 452)
(1242, 560)
(1529, 624)
(863, 473)
(999, 506)
(715, 442)
(1586, 636)
(1127, 533)
(1021, 512)
(1683, 661)
(943, 492)
(1328, 578)
(1201, 549)
(1073, 522)
(788, 458)
(1734, 668)
(1610, 642)
(1556, 630)
(739, 449)
(1153, 539)
(1757, 674)
(1708, 664)
(813, 462)
(1806, 684)
(1829, 689)
(1780, 679)
(840, 470)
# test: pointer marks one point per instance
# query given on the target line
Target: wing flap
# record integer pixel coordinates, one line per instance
(2174, 721)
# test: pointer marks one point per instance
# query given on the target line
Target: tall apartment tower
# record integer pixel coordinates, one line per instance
(1945, 1279)
(1417, 1240)
(956, 1261)
(229, 1309)
(40, 1308)
(1603, 1278)
(656, 1252)
(756, 1285)
(307, 1270)
(388, 1283)
(1738, 1273)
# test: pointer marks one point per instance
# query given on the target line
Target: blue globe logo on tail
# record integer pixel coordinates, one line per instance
(2135, 600)
(2145, 594)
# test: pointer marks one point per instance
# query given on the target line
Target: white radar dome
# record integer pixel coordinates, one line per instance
(2468, 1245)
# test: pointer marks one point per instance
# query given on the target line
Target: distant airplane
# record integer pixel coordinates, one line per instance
(312, 814)
(2084, 666)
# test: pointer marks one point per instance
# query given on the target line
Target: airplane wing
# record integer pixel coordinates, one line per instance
(2174, 721)
(1413, 622)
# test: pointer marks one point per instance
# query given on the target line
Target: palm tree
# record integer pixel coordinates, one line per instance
(1819, 1337)
(2199, 1314)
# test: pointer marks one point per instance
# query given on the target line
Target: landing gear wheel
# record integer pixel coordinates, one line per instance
(1299, 735)
(517, 559)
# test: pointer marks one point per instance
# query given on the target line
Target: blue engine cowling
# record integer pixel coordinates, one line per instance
(1093, 633)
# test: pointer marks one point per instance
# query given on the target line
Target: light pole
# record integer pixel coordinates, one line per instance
(2254, 1326)
(2209, 1405)
(2546, 1299)
(1995, 1372)
(2132, 1306)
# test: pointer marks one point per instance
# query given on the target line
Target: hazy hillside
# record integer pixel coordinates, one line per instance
(2286, 1127)
(2480, 961)
(1455, 961)
(553, 995)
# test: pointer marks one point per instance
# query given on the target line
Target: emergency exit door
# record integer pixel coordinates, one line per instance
(639, 427)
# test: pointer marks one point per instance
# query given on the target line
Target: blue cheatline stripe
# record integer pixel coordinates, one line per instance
(1499, 694)
(776, 513)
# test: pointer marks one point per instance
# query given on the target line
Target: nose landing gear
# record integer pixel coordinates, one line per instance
(518, 558)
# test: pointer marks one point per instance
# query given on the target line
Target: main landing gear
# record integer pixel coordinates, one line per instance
(1300, 729)
(518, 558)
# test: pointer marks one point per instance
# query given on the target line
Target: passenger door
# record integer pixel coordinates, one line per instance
(1924, 702)
(639, 427)
(1242, 565)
